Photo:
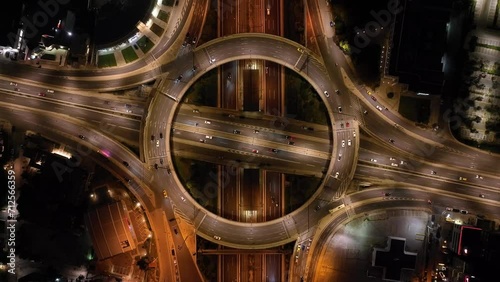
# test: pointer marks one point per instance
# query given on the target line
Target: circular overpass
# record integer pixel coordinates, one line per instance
(163, 107)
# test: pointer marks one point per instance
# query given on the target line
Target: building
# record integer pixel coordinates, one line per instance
(397, 264)
(109, 227)
(466, 241)
(419, 45)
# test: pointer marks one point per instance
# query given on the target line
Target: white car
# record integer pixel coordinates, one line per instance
(343, 143)
(337, 174)
(354, 134)
(326, 94)
(157, 143)
(394, 164)
(217, 238)
(392, 159)
(373, 160)
(349, 142)
(208, 137)
(379, 108)
(50, 91)
(208, 122)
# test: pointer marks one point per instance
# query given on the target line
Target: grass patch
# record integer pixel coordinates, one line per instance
(158, 30)
(107, 60)
(302, 101)
(204, 91)
(298, 189)
(195, 177)
(164, 16)
(493, 47)
(145, 44)
(50, 57)
(415, 109)
(129, 54)
(168, 3)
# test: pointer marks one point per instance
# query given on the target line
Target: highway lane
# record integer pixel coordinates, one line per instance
(122, 125)
(273, 195)
(229, 192)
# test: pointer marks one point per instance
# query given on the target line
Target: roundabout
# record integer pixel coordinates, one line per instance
(161, 112)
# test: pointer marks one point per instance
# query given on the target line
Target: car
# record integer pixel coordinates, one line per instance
(464, 212)
(392, 159)
(343, 143)
(340, 109)
(81, 137)
(332, 23)
(255, 151)
(391, 140)
(230, 115)
(152, 137)
(337, 91)
(229, 76)
(402, 162)
(256, 131)
(342, 125)
(291, 143)
(340, 156)
(365, 112)
(156, 166)
(169, 171)
(455, 210)
(157, 143)
(387, 194)
(479, 176)
(433, 172)
(42, 94)
(354, 134)
(208, 122)
(373, 98)
(275, 151)
(165, 195)
(449, 209)
(373, 160)
(50, 91)
(349, 142)
(193, 41)
(17, 89)
(161, 161)
(217, 238)
(208, 137)
(125, 163)
(300, 50)
(326, 94)
(347, 124)
(481, 195)
(13, 84)
(202, 140)
(196, 111)
(379, 108)
(268, 11)
(236, 131)
(462, 178)
(337, 174)
(175, 231)
(178, 78)
(288, 137)
(394, 164)
(161, 135)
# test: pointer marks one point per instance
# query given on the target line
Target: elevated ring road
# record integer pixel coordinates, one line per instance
(163, 109)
